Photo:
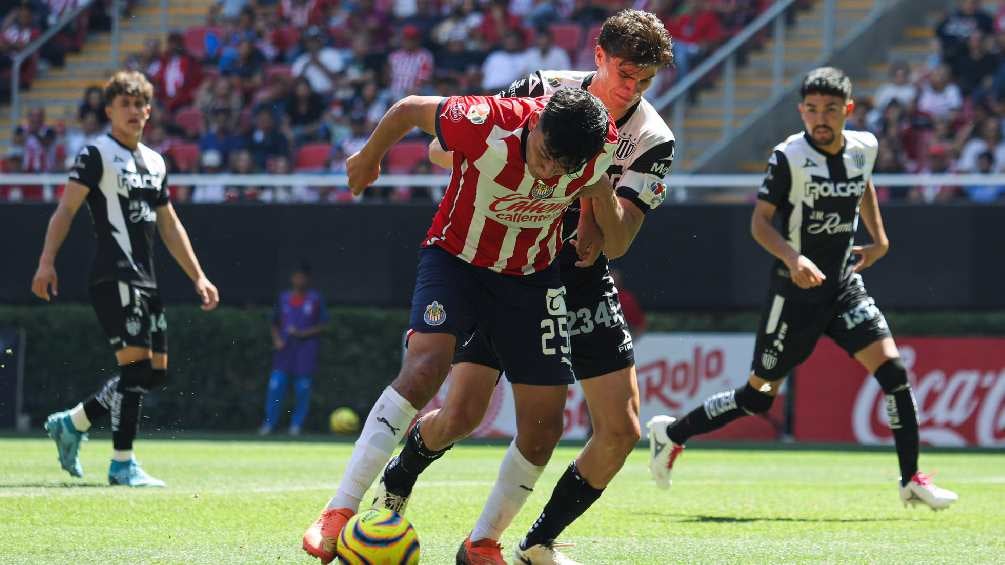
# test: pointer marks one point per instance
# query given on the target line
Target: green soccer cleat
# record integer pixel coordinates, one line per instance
(60, 428)
(130, 474)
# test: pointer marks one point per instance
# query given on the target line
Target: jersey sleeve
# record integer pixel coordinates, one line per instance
(642, 182)
(164, 196)
(464, 122)
(531, 86)
(602, 162)
(87, 168)
(777, 180)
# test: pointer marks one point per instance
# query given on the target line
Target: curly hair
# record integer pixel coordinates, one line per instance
(637, 37)
(129, 83)
(826, 80)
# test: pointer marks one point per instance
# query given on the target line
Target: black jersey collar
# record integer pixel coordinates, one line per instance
(623, 119)
(120, 144)
(814, 146)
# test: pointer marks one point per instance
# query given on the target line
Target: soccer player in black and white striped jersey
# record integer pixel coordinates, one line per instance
(125, 186)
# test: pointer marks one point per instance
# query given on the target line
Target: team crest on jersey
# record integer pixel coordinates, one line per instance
(654, 194)
(133, 326)
(541, 190)
(478, 113)
(435, 314)
(769, 360)
(554, 82)
(626, 146)
(858, 159)
(454, 112)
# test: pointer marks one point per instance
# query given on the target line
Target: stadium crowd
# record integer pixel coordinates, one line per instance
(281, 86)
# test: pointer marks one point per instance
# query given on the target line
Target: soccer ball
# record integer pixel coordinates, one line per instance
(343, 420)
(378, 537)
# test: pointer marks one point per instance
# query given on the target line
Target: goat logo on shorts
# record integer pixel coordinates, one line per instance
(769, 360)
(478, 113)
(541, 190)
(435, 314)
(133, 326)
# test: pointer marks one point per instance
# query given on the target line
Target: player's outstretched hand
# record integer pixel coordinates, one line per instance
(867, 255)
(362, 171)
(806, 274)
(45, 277)
(208, 294)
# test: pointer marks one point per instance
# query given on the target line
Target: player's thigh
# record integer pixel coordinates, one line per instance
(469, 395)
(601, 341)
(540, 419)
(786, 335)
(859, 327)
(613, 400)
(158, 330)
(123, 312)
(526, 323)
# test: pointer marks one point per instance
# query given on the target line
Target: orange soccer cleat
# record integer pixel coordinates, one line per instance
(320, 538)
(482, 552)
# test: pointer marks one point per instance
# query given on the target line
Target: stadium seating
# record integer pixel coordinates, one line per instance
(312, 157)
(403, 157)
(185, 156)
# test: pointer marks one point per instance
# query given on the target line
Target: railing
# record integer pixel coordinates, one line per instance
(703, 181)
(726, 55)
(21, 56)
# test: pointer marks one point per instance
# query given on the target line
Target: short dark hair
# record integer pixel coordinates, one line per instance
(637, 37)
(129, 83)
(574, 124)
(829, 81)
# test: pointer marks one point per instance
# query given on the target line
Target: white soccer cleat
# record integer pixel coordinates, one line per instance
(662, 450)
(382, 498)
(543, 554)
(921, 490)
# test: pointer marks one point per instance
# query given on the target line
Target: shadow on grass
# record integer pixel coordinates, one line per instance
(747, 519)
(51, 484)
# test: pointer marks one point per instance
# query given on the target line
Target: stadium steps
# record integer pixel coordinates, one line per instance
(703, 121)
(60, 91)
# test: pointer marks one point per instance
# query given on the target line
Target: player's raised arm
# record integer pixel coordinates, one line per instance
(59, 225)
(873, 220)
(176, 239)
(410, 112)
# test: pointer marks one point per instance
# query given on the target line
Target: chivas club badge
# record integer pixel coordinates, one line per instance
(541, 190)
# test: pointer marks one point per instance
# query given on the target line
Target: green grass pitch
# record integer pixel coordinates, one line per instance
(243, 501)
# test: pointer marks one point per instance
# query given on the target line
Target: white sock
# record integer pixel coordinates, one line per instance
(79, 418)
(122, 456)
(385, 425)
(515, 482)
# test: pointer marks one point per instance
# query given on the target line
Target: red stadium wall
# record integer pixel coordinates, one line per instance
(959, 386)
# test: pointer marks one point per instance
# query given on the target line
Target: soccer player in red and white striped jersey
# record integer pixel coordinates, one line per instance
(487, 263)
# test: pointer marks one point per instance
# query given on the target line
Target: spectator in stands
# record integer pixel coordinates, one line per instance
(17, 30)
(635, 316)
(985, 193)
(77, 138)
(179, 75)
(461, 66)
(319, 64)
(210, 163)
(299, 318)
(695, 30)
(988, 139)
(368, 106)
(221, 135)
(505, 65)
(367, 17)
(304, 111)
(232, 9)
(219, 93)
(409, 68)
(899, 88)
(975, 65)
(265, 140)
(246, 69)
(147, 61)
(462, 19)
(939, 97)
(302, 13)
(93, 103)
(498, 24)
(425, 15)
(588, 13)
(242, 163)
(360, 66)
(960, 24)
(43, 153)
(939, 162)
(545, 54)
(540, 15)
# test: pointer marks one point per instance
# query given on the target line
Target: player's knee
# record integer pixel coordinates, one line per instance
(135, 377)
(620, 436)
(421, 377)
(892, 376)
(537, 442)
(459, 421)
(753, 401)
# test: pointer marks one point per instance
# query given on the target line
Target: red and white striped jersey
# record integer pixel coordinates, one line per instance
(494, 213)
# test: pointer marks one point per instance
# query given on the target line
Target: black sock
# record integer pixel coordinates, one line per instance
(717, 411)
(415, 457)
(124, 433)
(100, 404)
(903, 418)
(572, 496)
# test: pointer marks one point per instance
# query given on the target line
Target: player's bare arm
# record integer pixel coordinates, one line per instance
(804, 273)
(620, 220)
(410, 112)
(873, 220)
(589, 240)
(439, 156)
(59, 225)
(176, 240)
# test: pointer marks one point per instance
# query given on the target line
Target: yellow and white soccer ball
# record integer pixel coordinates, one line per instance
(343, 420)
(378, 537)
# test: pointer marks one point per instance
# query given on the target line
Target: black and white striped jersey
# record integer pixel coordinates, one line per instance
(818, 197)
(641, 162)
(126, 188)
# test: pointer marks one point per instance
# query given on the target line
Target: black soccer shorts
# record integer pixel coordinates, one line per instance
(130, 315)
(789, 328)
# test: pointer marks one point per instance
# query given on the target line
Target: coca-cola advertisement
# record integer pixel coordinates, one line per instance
(676, 372)
(959, 388)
